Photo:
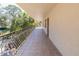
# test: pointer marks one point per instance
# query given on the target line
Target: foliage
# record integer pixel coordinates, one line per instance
(12, 10)
(18, 19)
(21, 22)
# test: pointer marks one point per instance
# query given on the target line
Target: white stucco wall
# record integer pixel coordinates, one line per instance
(64, 28)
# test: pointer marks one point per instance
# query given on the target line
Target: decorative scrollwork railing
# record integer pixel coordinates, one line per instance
(11, 41)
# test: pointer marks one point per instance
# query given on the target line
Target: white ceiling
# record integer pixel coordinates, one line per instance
(37, 10)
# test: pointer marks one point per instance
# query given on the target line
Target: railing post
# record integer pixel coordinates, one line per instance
(1, 46)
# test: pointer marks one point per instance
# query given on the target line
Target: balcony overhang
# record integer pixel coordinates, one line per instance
(37, 10)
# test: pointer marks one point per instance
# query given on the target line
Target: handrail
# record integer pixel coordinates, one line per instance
(14, 32)
(14, 40)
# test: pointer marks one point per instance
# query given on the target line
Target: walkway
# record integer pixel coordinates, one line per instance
(38, 44)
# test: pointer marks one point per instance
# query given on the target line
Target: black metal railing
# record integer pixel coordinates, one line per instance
(10, 42)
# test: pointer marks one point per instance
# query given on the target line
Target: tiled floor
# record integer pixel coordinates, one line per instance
(38, 44)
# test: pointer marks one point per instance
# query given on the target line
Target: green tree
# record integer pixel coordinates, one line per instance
(12, 10)
(3, 22)
(16, 17)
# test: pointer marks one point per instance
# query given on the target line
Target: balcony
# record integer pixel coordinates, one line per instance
(27, 42)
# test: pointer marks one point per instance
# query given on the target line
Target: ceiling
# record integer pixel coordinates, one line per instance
(37, 10)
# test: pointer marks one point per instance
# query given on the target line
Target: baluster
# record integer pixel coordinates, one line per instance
(1, 46)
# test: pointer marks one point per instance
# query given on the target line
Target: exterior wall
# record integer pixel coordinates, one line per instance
(64, 28)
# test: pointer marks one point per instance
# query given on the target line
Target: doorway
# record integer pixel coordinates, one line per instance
(48, 27)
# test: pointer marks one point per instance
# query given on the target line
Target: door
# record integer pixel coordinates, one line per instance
(48, 27)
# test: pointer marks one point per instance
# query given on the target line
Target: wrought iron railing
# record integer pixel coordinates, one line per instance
(9, 43)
